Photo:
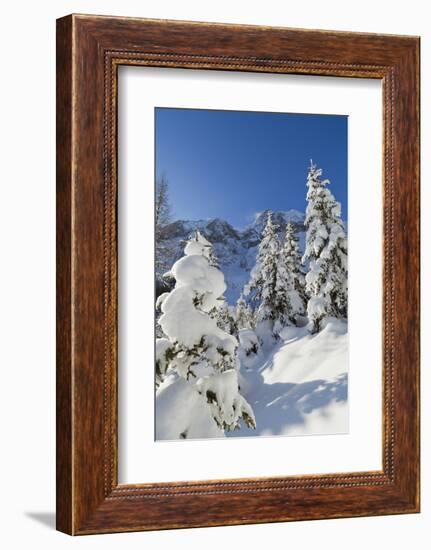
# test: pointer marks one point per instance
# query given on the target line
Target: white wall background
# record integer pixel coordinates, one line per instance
(27, 297)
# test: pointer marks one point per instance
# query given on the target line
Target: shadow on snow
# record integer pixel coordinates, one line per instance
(284, 405)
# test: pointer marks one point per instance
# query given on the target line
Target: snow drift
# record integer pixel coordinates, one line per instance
(298, 388)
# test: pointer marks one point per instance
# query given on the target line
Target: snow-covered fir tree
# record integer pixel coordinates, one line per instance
(249, 345)
(162, 216)
(206, 247)
(325, 252)
(195, 350)
(225, 317)
(244, 314)
(158, 329)
(222, 312)
(262, 287)
(290, 283)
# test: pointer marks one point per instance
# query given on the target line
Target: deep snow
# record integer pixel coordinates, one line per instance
(300, 386)
(297, 387)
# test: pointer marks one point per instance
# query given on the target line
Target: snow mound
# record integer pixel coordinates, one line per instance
(303, 357)
(300, 386)
(192, 418)
(226, 403)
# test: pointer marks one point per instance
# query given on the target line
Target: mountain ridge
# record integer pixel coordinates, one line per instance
(234, 248)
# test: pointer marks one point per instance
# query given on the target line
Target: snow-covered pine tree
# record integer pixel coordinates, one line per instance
(262, 286)
(244, 314)
(195, 349)
(225, 318)
(290, 284)
(205, 246)
(221, 312)
(325, 252)
(162, 216)
(158, 329)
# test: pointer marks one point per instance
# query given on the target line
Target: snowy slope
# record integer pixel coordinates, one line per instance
(300, 387)
(235, 249)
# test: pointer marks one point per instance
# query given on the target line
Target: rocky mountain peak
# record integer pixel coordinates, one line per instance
(235, 249)
(280, 219)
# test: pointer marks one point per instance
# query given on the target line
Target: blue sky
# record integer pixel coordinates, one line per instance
(232, 164)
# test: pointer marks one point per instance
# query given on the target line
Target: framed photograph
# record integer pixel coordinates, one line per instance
(237, 274)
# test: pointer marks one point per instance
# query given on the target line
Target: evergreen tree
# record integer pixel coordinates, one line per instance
(262, 287)
(225, 318)
(325, 252)
(244, 314)
(221, 311)
(194, 348)
(162, 216)
(290, 295)
(204, 246)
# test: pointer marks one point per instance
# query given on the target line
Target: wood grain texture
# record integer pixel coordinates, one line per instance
(90, 49)
(64, 497)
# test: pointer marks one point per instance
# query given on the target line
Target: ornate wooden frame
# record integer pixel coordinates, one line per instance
(89, 51)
